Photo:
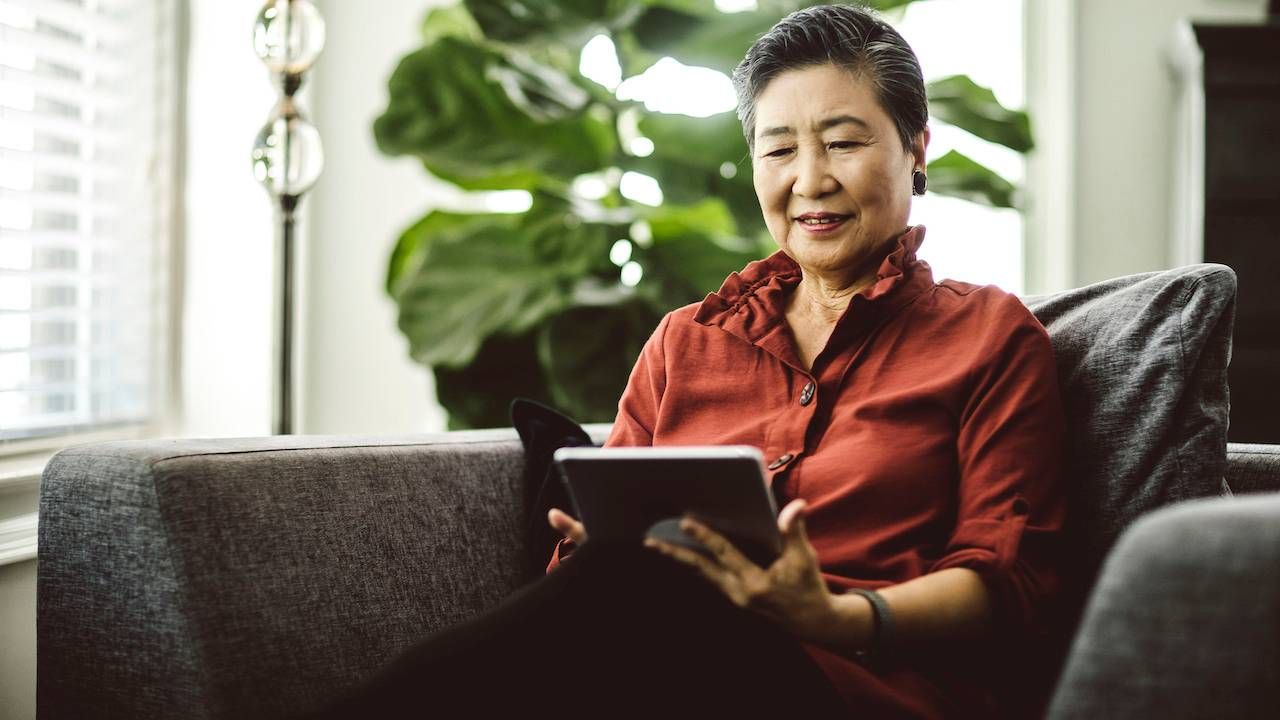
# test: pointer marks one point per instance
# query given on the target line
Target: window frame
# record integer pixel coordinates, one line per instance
(22, 461)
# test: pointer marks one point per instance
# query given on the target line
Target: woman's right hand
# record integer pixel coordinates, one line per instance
(567, 526)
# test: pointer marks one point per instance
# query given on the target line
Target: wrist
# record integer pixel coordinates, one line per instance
(854, 621)
(876, 652)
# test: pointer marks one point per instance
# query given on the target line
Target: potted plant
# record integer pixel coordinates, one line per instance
(629, 213)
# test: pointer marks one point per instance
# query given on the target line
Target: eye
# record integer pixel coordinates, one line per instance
(778, 153)
(844, 145)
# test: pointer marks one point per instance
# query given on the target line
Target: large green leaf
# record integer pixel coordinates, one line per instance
(694, 36)
(569, 21)
(485, 119)
(587, 353)
(479, 394)
(959, 176)
(717, 41)
(437, 227)
(710, 218)
(459, 280)
(530, 305)
(687, 162)
(694, 248)
(450, 21)
(960, 101)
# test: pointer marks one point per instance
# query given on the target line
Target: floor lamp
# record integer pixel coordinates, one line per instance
(287, 159)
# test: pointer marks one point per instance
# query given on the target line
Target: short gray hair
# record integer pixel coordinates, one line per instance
(851, 37)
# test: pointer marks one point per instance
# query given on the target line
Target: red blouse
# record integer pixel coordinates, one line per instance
(928, 435)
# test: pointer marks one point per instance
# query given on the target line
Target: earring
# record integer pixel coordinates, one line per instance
(918, 183)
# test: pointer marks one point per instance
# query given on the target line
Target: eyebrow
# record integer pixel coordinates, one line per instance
(826, 124)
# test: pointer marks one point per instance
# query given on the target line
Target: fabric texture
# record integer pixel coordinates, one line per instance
(113, 635)
(236, 578)
(1185, 619)
(1142, 363)
(1253, 468)
(927, 435)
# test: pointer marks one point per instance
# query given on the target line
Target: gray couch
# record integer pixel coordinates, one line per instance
(259, 577)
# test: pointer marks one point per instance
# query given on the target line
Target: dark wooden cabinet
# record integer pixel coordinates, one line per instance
(1242, 209)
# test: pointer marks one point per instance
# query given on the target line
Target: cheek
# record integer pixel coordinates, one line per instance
(875, 184)
(769, 193)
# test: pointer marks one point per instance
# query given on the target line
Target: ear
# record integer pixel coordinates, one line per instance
(919, 148)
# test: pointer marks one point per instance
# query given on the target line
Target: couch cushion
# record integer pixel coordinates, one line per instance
(1184, 620)
(1142, 362)
(259, 577)
(1253, 467)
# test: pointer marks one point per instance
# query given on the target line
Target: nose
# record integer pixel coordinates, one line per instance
(813, 178)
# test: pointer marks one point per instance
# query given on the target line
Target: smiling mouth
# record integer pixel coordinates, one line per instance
(824, 220)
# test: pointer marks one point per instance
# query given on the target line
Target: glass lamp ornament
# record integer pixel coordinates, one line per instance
(288, 36)
(287, 154)
(287, 158)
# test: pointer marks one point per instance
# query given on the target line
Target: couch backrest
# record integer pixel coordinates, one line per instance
(254, 578)
(1142, 363)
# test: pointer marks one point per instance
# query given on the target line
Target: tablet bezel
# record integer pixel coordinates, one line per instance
(620, 492)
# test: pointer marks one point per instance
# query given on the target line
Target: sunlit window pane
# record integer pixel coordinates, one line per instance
(87, 118)
(984, 40)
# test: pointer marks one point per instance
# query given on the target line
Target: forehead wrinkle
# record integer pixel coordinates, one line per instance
(825, 124)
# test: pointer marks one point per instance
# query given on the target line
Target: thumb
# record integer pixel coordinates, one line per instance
(791, 521)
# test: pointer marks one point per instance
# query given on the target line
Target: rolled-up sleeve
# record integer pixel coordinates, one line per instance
(1011, 500)
(638, 407)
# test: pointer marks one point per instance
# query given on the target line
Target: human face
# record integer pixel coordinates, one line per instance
(824, 148)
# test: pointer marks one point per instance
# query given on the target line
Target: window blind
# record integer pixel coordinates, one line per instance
(87, 119)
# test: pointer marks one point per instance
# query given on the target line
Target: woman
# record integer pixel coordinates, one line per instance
(914, 427)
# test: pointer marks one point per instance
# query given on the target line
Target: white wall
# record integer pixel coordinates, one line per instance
(353, 371)
(18, 641)
(227, 285)
(358, 376)
(1125, 129)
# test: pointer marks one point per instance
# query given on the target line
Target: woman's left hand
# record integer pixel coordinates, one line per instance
(791, 591)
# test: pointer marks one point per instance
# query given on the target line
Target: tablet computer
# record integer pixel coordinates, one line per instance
(626, 493)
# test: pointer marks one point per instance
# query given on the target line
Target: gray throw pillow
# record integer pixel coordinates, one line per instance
(1142, 362)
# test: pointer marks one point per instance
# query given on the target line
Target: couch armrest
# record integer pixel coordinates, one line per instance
(257, 577)
(1253, 468)
(1184, 618)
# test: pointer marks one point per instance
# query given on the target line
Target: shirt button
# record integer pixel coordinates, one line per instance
(806, 394)
(780, 461)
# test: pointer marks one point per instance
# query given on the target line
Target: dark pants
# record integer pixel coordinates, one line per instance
(613, 632)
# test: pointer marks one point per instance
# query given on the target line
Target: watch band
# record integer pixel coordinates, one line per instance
(882, 634)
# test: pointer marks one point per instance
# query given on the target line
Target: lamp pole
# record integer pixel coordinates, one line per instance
(288, 36)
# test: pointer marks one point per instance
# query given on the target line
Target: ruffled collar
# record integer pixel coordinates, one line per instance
(752, 304)
(762, 287)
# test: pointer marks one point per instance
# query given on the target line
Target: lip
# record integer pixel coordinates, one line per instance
(839, 221)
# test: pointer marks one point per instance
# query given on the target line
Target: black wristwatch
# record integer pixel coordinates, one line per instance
(882, 636)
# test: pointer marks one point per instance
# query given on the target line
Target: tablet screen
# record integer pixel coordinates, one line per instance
(620, 493)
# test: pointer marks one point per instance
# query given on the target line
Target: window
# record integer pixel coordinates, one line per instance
(984, 40)
(88, 112)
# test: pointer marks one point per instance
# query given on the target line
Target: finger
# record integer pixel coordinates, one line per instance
(791, 519)
(728, 555)
(791, 525)
(567, 526)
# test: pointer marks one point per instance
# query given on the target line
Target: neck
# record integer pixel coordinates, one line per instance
(824, 300)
